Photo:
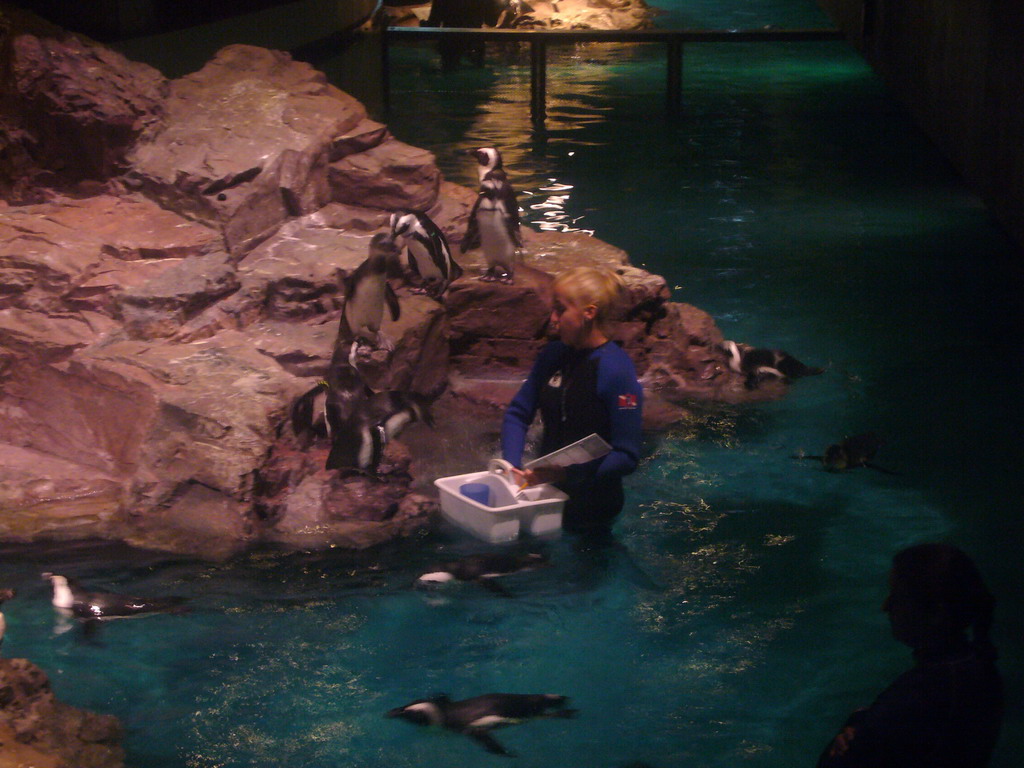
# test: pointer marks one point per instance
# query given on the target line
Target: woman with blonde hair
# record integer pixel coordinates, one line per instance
(582, 383)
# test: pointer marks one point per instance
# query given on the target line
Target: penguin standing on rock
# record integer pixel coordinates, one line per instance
(429, 255)
(355, 442)
(367, 291)
(759, 364)
(358, 422)
(494, 220)
(478, 716)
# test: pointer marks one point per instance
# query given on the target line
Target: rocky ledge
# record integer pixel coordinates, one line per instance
(171, 258)
(38, 730)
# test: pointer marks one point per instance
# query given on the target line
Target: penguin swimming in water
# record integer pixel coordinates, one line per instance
(5, 595)
(494, 220)
(478, 716)
(429, 255)
(71, 599)
(367, 291)
(852, 453)
(483, 569)
(758, 364)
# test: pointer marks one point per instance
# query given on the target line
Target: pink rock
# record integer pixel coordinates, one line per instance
(392, 175)
(74, 110)
(245, 143)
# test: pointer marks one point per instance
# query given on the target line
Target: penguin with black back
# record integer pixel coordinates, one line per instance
(482, 568)
(494, 219)
(368, 292)
(758, 364)
(851, 453)
(358, 421)
(429, 256)
(478, 716)
(72, 599)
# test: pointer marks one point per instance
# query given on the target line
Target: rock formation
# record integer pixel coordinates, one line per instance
(36, 729)
(171, 255)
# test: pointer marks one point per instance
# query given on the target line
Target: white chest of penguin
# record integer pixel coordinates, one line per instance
(494, 236)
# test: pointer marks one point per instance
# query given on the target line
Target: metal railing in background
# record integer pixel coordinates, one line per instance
(539, 40)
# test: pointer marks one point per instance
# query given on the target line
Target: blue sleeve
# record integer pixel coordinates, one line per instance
(623, 397)
(520, 412)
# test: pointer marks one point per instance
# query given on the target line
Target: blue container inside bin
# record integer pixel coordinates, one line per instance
(478, 492)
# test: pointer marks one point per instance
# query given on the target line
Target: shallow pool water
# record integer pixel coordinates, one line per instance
(736, 617)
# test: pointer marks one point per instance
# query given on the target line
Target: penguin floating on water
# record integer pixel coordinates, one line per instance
(494, 220)
(71, 599)
(429, 255)
(851, 453)
(5, 595)
(483, 569)
(367, 292)
(759, 364)
(478, 716)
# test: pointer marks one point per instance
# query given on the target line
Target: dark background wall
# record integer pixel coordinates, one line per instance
(958, 65)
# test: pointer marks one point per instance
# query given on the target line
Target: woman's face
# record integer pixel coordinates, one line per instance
(911, 624)
(570, 321)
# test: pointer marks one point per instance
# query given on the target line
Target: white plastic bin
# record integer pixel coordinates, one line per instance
(535, 511)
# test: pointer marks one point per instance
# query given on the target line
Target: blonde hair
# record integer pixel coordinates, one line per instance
(595, 286)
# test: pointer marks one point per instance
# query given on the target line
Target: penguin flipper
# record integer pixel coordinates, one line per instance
(512, 217)
(414, 268)
(392, 301)
(471, 239)
(302, 410)
(490, 743)
(455, 272)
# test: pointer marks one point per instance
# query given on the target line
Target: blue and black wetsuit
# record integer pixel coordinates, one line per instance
(580, 391)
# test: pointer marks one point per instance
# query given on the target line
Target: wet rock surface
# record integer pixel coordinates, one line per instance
(158, 322)
(38, 730)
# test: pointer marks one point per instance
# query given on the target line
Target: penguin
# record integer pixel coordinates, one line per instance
(428, 253)
(5, 595)
(386, 413)
(71, 599)
(478, 716)
(355, 443)
(758, 364)
(394, 410)
(367, 291)
(494, 220)
(482, 569)
(852, 453)
(358, 422)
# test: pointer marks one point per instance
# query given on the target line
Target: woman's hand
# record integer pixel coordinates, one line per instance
(525, 477)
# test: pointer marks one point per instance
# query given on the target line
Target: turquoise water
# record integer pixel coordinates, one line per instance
(737, 619)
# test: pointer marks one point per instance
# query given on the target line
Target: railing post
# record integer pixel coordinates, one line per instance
(674, 81)
(538, 80)
(385, 72)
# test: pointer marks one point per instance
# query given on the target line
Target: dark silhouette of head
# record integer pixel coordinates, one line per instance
(936, 594)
